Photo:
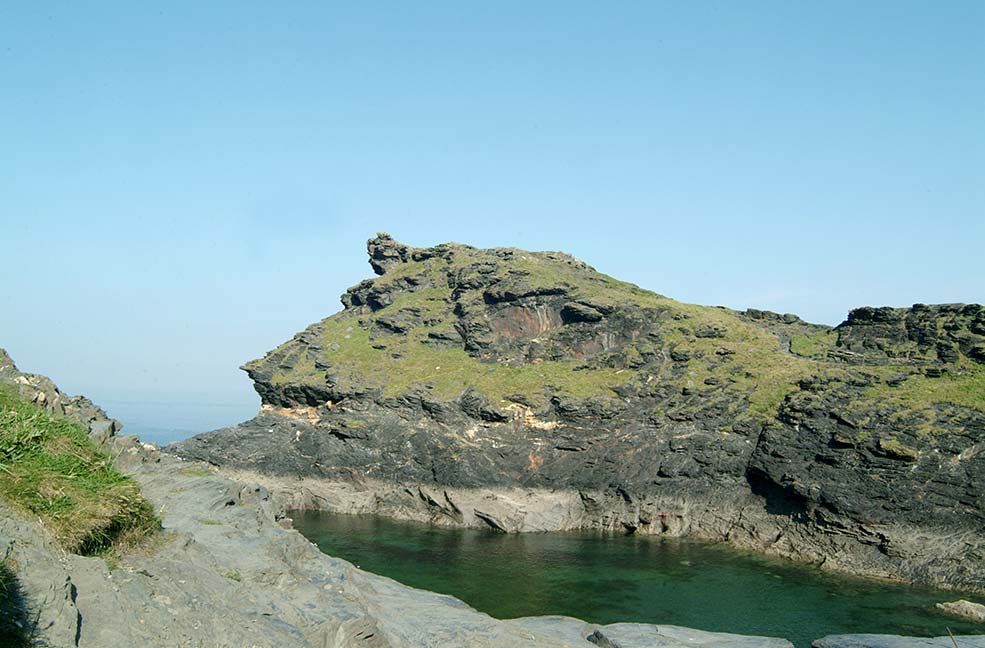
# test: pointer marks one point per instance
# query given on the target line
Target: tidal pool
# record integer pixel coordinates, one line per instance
(606, 578)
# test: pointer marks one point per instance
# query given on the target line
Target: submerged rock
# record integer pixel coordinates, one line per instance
(964, 609)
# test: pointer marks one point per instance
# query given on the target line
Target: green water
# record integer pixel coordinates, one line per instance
(609, 578)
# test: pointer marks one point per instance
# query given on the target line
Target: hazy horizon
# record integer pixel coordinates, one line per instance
(185, 187)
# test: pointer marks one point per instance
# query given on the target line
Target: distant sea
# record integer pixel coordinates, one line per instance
(167, 422)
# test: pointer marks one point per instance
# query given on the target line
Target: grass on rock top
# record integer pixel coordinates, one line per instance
(740, 360)
(49, 467)
(964, 389)
(754, 367)
(814, 346)
(963, 386)
(407, 362)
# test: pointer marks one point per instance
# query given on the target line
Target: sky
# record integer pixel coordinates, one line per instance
(185, 185)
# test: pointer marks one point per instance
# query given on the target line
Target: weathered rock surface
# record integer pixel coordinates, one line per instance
(526, 391)
(224, 573)
(640, 635)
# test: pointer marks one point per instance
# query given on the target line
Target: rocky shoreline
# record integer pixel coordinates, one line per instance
(224, 572)
(527, 392)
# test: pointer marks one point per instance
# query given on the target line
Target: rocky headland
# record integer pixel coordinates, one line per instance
(525, 391)
(224, 570)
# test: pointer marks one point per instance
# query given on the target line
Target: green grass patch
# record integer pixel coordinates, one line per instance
(894, 448)
(303, 366)
(746, 359)
(433, 303)
(962, 387)
(729, 357)
(407, 362)
(813, 346)
(50, 468)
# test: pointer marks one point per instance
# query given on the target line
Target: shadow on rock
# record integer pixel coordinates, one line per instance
(15, 625)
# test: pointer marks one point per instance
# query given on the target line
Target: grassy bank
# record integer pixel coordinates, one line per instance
(50, 468)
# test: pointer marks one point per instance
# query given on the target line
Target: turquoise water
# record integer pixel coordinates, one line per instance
(606, 578)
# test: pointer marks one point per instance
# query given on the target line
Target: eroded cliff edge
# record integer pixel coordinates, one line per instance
(526, 391)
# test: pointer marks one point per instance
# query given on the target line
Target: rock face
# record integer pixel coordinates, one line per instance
(526, 391)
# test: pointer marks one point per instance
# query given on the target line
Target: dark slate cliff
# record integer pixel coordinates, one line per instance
(460, 371)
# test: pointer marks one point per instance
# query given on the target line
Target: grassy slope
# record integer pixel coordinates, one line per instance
(407, 361)
(50, 468)
(756, 368)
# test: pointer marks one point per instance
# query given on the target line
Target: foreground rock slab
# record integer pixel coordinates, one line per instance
(896, 641)
(224, 573)
(641, 635)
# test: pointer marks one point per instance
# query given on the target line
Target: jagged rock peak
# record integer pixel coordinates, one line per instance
(385, 252)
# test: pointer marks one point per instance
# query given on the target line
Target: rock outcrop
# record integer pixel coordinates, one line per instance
(526, 391)
(42, 391)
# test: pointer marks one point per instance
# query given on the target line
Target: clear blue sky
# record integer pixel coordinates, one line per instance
(185, 185)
